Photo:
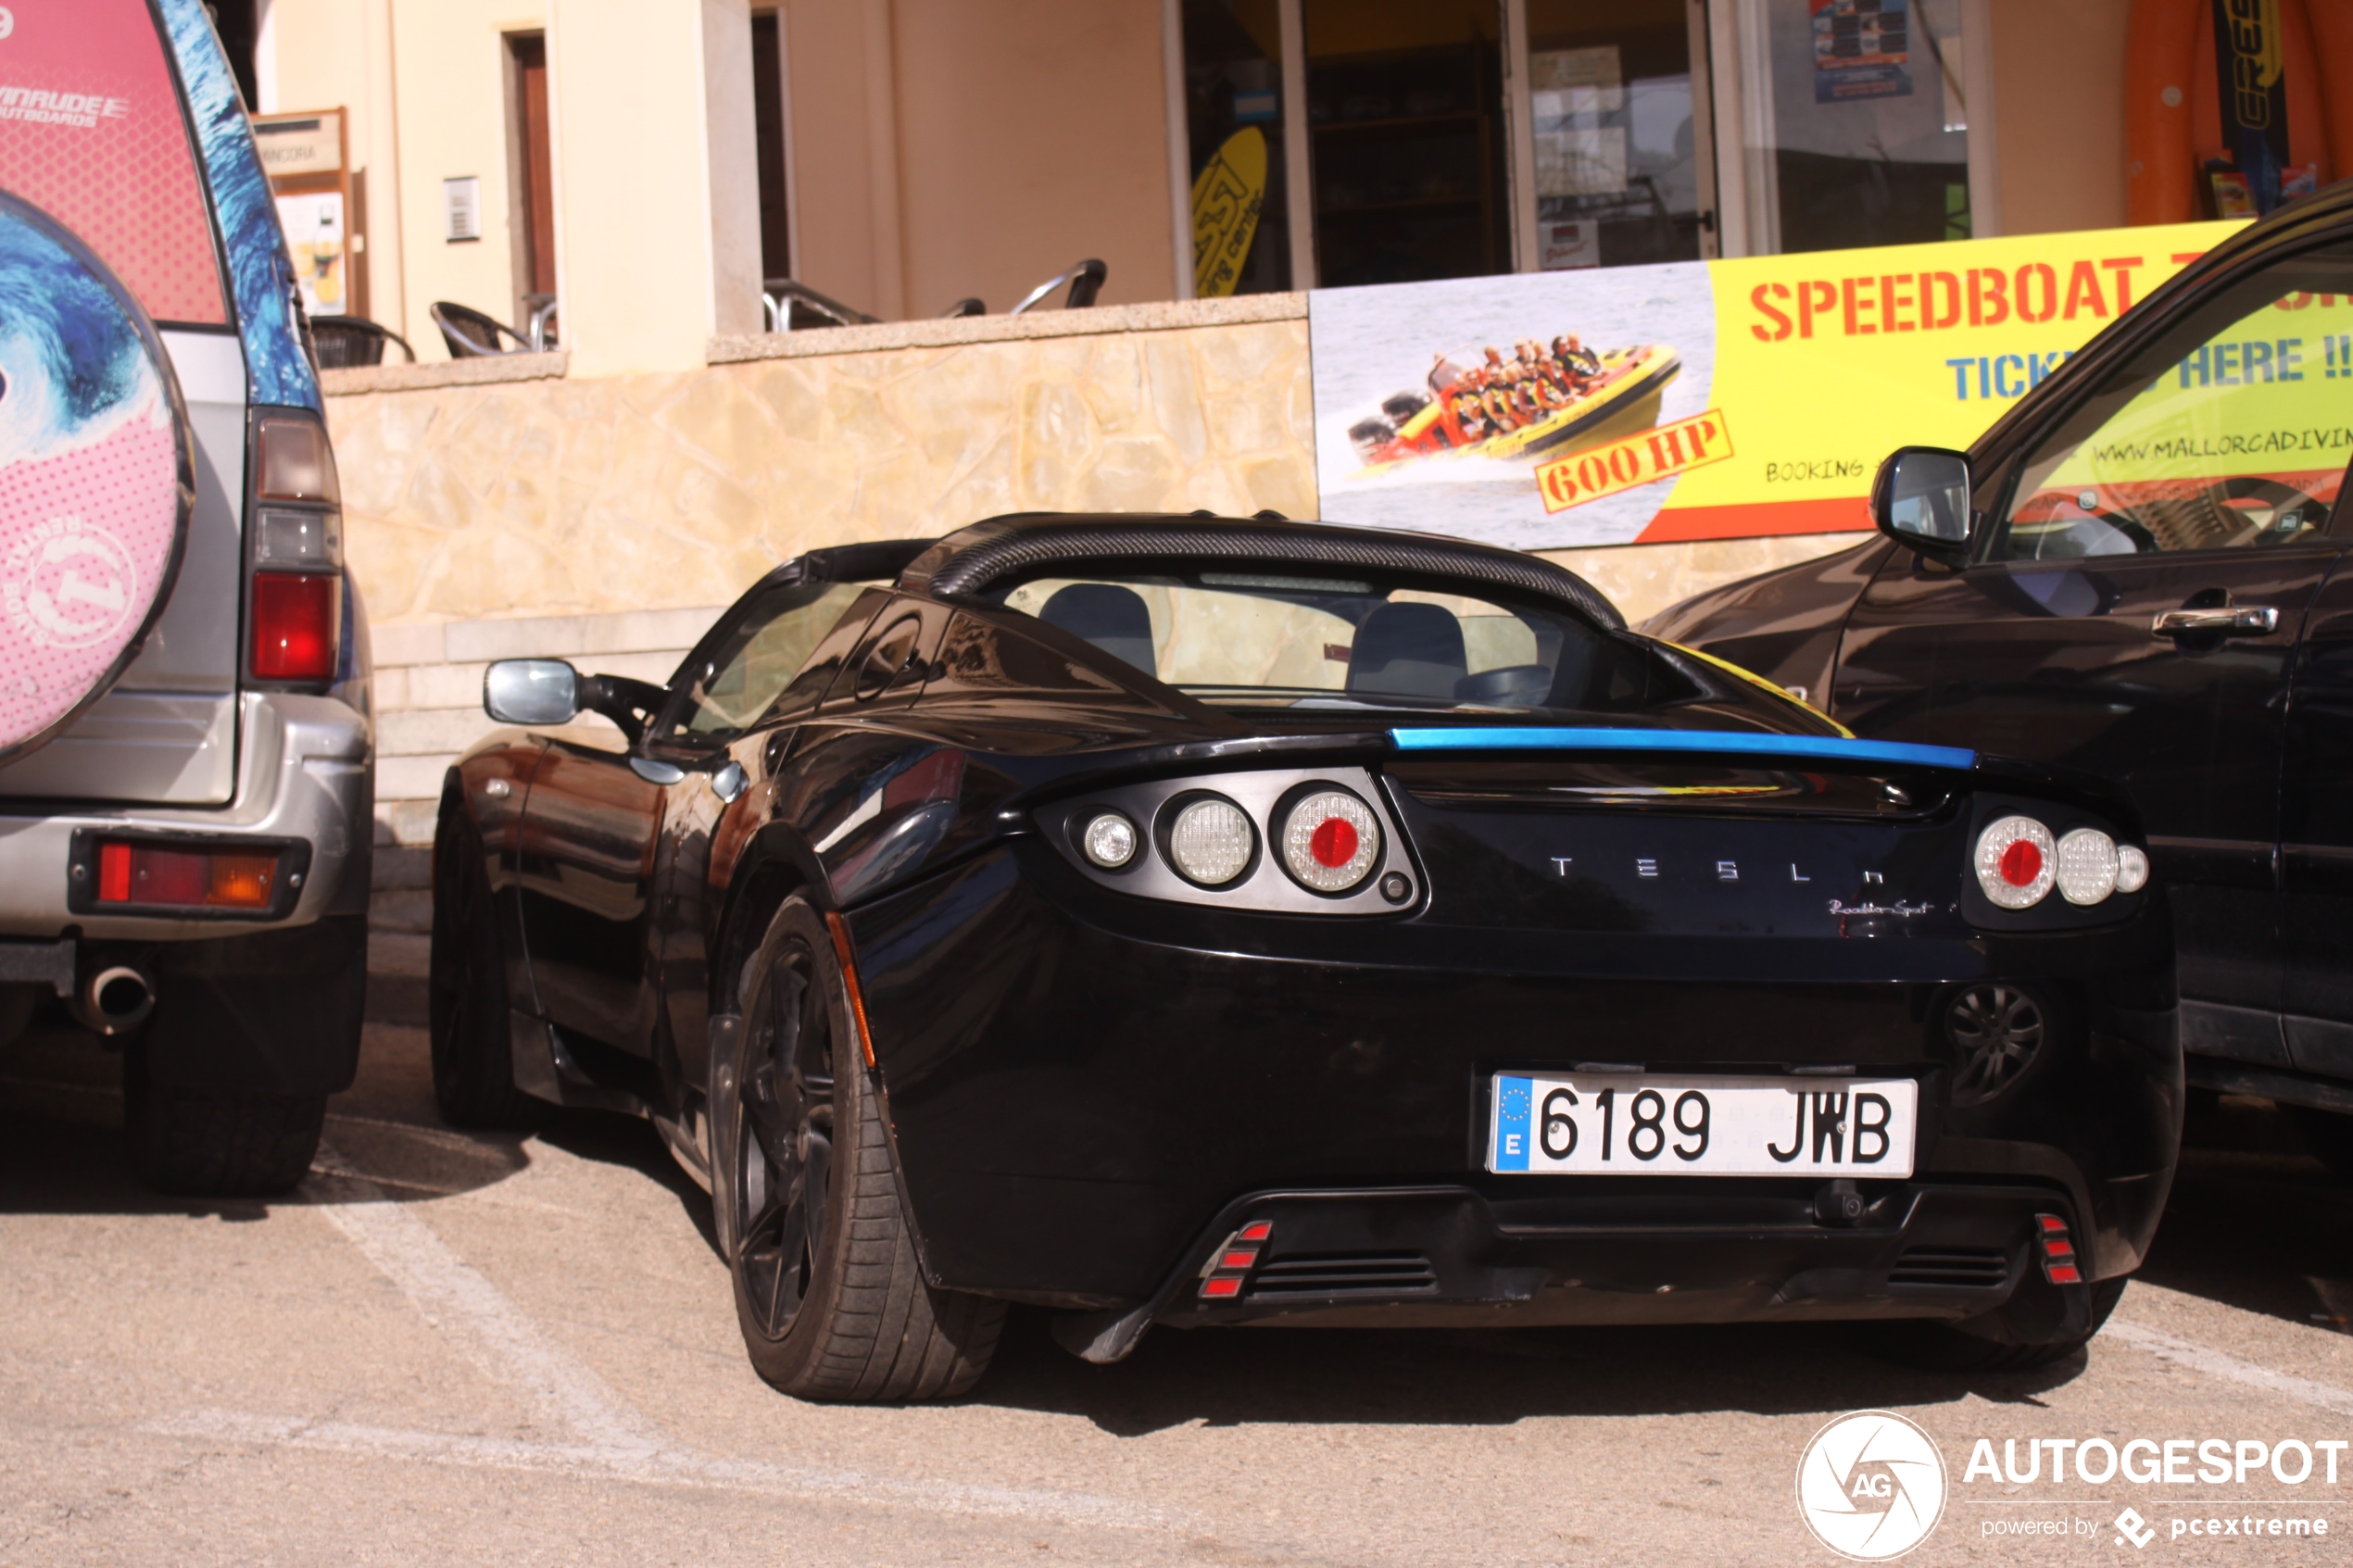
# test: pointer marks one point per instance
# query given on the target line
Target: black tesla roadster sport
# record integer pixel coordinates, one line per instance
(1196, 920)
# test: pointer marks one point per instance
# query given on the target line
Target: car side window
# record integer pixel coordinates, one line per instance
(2228, 431)
(744, 674)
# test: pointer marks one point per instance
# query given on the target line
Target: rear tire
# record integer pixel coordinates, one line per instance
(829, 1295)
(212, 1143)
(1940, 1347)
(473, 1073)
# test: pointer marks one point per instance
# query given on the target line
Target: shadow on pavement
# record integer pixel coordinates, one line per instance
(2255, 1223)
(1472, 1377)
(61, 1140)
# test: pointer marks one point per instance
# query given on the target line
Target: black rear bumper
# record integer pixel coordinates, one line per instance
(1428, 1255)
(1080, 1085)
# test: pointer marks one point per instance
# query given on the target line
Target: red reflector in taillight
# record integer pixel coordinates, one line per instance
(2051, 1224)
(2064, 1274)
(147, 873)
(1237, 1258)
(1257, 1230)
(113, 874)
(1221, 1286)
(296, 623)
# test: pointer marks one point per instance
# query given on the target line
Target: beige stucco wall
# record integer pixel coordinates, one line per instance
(1032, 134)
(2059, 83)
(945, 149)
(451, 101)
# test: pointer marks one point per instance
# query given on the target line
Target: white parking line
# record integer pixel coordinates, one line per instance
(672, 1467)
(2221, 1363)
(615, 1440)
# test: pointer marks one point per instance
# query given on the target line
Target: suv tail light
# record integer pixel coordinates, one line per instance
(293, 461)
(196, 876)
(294, 604)
(296, 617)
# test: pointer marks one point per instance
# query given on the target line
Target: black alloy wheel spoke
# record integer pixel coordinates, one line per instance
(784, 1144)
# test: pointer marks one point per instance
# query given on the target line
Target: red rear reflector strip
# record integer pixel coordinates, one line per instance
(1220, 1285)
(2058, 1251)
(113, 874)
(147, 873)
(1240, 1258)
(2052, 1224)
(2064, 1274)
(1257, 1230)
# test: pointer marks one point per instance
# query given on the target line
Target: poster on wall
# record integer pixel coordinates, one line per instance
(314, 228)
(1695, 400)
(1862, 49)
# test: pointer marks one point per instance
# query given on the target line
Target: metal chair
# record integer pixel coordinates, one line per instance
(539, 331)
(792, 306)
(1086, 281)
(472, 335)
(343, 342)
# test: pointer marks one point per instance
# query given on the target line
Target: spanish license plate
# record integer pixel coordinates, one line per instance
(1647, 1125)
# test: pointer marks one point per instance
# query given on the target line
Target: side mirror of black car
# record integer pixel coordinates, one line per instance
(1921, 500)
(531, 691)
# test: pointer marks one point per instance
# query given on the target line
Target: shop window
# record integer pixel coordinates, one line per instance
(1404, 106)
(768, 127)
(1236, 122)
(1856, 123)
(533, 222)
(1617, 161)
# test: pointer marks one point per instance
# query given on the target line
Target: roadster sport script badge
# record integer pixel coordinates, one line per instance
(1649, 1125)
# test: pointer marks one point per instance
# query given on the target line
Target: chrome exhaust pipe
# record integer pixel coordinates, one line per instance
(114, 1000)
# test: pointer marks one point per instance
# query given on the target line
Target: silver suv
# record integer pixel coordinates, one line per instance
(185, 798)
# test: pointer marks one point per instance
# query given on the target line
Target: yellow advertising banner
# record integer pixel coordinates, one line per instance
(1705, 400)
(1827, 362)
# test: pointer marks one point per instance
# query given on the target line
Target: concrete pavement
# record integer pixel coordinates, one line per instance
(459, 1348)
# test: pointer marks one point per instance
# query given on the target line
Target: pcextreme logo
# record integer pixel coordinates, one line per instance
(1871, 1486)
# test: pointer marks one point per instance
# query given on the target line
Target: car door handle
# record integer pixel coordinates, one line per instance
(2236, 621)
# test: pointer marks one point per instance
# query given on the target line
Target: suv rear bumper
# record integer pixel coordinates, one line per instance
(302, 774)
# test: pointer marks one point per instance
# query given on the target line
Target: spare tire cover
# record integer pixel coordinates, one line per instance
(97, 479)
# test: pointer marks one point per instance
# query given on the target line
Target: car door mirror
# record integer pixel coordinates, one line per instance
(1921, 500)
(531, 691)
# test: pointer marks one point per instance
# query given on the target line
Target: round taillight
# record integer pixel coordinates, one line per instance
(2131, 869)
(2016, 862)
(1331, 841)
(2087, 866)
(1210, 841)
(1109, 840)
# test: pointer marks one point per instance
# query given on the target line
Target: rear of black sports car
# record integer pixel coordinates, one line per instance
(1421, 947)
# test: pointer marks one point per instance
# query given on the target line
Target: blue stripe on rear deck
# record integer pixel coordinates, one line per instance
(1720, 743)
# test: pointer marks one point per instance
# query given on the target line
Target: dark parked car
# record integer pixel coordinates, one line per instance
(2139, 572)
(1190, 921)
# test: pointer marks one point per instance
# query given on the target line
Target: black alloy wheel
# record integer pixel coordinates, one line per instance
(473, 1078)
(802, 1167)
(784, 1145)
(1996, 1033)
